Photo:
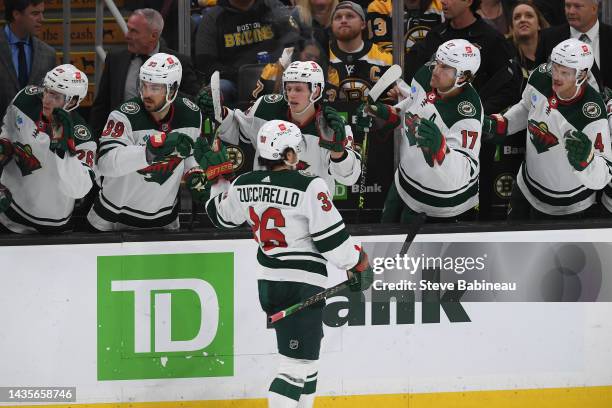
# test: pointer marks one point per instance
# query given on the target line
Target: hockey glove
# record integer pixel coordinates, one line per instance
(334, 140)
(579, 150)
(363, 121)
(207, 106)
(431, 141)
(494, 128)
(386, 116)
(5, 198)
(6, 151)
(213, 161)
(195, 181)
(62, 139)
(162, 145)
(411, 124)
(364, 273)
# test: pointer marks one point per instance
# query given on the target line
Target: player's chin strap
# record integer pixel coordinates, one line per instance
(312, 102)
(579, 84)
(452, 88)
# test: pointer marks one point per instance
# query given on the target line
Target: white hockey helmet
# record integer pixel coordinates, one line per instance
(461, 55)
(276, 136)
(305, 71)
(67, 80)
(163, 69)
(573, 53)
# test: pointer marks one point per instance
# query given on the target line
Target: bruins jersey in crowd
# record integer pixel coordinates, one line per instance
(418, 24)
(43, 185)
(351, 75)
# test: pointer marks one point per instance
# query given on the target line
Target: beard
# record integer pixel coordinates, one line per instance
(347, 35)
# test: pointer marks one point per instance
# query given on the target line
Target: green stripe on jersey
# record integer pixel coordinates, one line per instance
(331, 242)
(326, 230)
(408, 185)
(580, 193)
(213, 214)
(299, 264)
(292, 179)
(284, 388)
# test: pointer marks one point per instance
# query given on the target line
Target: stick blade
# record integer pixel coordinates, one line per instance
(386, 80)
(215, 89)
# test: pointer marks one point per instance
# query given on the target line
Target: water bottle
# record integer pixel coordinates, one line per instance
(263, 57)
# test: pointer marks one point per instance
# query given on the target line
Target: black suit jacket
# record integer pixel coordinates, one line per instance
(43, 61)
(109, 94)
(552, 36)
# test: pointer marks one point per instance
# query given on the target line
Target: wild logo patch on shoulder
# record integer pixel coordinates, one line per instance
(591, 110)
(466, 108)
(81, 132)
(273, 98)
(33, 90)
(543, 68)
(130, 108)
(190, 105)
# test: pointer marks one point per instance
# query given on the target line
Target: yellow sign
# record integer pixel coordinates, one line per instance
(82, 32)
(75, 4)
(85, 61)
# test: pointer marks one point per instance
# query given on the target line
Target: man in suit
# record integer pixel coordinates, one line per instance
(120, 77)
(24, 59)
(583, 25)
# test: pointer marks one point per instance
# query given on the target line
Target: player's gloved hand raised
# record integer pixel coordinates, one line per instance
(5, 198)
(579, 150)
(494, 128)
(385, 115)
(431, 141)
(62, 138)
(336, 139)
(6, 151)
(363, 272)
(212, 159)
(411, 124)
(199, 187)
(363, 120)
(205, 101)
(162, 145)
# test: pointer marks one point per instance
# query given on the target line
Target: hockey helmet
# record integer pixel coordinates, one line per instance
(305, 71)
(573, 53)
(461, 55)
(163, 69)
(67, 80)
(276, 136)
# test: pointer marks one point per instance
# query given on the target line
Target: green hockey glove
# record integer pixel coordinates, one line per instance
(364, 273)
(494, 128)
(6, 151)
(336, 139)
(363, 121)
(411, 124)
(579, 150)
(62, 137)
(212, 160)
(197, 184)
(162, 145)
(431, 141)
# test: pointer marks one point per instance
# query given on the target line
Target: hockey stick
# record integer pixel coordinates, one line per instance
(413, 230)
(389, 77)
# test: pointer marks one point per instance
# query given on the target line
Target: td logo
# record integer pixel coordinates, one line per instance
(165, 316)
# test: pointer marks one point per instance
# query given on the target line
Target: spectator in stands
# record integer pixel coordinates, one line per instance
(233, 32)
(498, 81)
(24, 59)
(552, 10)
(496, 13)
(307, 49)
(584, 25)
(420, 16)
(525, 26)
(355, 64)
(317, 14)
(120, 76)
(169, 12)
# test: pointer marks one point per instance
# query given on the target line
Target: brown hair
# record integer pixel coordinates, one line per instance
(542, 22)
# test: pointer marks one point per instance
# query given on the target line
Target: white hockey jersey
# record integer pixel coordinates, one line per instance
(43, 185)
(451, 188)
(239, 125)
(546, 178)
(294, 221)
(133, 193)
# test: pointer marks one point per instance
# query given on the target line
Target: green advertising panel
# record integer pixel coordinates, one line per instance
(165, 316)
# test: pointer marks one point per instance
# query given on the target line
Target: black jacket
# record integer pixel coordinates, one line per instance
(112, 84)
(498, 80)
(228, 38)
(552, 36)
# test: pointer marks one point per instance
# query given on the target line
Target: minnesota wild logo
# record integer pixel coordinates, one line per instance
(160, 171)
(541, 137)
(25, 159)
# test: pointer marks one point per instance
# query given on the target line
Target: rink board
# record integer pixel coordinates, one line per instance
(61, 327)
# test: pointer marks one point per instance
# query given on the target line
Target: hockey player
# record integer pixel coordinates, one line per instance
(328, 140)
(442, 124)
(46, 154)
(298, 231)
(568, 146)
(144, 150)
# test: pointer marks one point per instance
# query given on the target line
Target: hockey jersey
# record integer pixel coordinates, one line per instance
(352, 75)
(451, 188)
(606, 197)
(43, 185)
(380, 27)
(546, 178)
(135, 194)
(244, 126)
(293, 220)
